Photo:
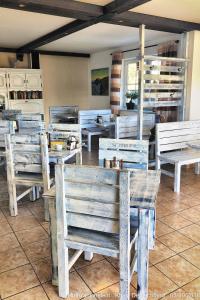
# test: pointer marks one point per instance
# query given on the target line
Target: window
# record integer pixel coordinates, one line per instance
(130, 82)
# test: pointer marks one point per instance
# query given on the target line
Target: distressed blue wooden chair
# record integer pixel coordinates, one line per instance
(93, 215)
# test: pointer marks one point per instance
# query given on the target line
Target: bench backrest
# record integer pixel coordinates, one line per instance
(176, 135)
(29, 117)
(28, 154)
(6, 127)
(126, 126)
(58, 113)
(25, 127)
(88, 118)
(10, 114)
(62, 132)
(91, 198)
(134, 153)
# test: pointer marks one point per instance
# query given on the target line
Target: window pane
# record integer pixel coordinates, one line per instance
(132, 77)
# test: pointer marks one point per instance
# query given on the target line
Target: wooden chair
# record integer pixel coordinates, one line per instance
(93, 215)
(6, 127)
(27, 165)
(63, 114)
(30, 117)
(30, 127)
(134, 155)
(88, 123)
(172, 147)
(10, 114)
(62, 133)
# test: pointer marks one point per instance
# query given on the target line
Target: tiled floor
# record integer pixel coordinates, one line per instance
(174, 272)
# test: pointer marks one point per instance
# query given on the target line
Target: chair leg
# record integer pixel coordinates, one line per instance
(88, 255)
(33, 194)
(152, 228)
(89, 142)
(63, 271)
(143, 255)
(157, 163)
(197, 168)
(12, 199)
(124, 273)
(177, 178)
(46, 210)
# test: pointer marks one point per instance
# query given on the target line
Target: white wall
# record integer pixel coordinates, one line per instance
(97, 61)
(193, 78)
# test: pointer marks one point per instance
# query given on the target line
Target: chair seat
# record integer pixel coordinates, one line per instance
(95, 241)
(30, 179)
(183, 156)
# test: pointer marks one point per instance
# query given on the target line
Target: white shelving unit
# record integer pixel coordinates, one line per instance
(22, 89)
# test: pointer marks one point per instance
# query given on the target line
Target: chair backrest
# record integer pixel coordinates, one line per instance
(176, 135)
(6, 127)
(29, 117)
(126, 126)
(92, 198)
(57, 114)
(63, 132)
(30, 127)
(28, 154)
(88, 118)
(10, 114)
(132, 153)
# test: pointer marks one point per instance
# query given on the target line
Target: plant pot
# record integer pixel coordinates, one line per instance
(130, 105)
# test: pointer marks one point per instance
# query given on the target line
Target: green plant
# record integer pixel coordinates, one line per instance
(132, 95)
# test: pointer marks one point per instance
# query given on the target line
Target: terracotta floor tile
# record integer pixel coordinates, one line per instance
(99, 276)
(175, 221)
(81, 262)
(192, 214)
(2, 217)
(12, 258)
(78, 289)
(114, 262)
(38, 250)
(43, 270)
(8, 241)
(179, 270)
(179, 294)
(5, 228)
(192, 255)
(162, 229)
(162, 211)
(159, 284)
(23, 222)
(31, 235)
(175, 205)
(112, 293)
(22, 211)
(36, 293)
(160, 253)
(45, 225)
(17, 280)
(192, 231)
(193, 288)
(177, 241)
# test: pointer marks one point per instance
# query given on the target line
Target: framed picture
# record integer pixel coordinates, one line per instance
(100, 82)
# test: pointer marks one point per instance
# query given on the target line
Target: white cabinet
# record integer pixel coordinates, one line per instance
(17, 80)
(27, 106)
(33, 81)
(3, 80)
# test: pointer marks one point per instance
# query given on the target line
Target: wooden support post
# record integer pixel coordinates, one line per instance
(141, 82)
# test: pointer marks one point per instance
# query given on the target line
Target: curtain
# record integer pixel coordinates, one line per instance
(170, 49)
(116, 84)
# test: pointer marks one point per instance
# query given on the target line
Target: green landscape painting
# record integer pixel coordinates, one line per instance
(100, 82)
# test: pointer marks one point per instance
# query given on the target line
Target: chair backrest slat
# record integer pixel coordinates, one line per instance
(88, 118)
(6, 127)
(176, 135)
(58, 113)
(90, 196)
(30, 127)
(133, 153)
(62, 132)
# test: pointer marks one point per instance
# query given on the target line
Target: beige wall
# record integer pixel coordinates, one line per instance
(193, 80)
(7, 60)
(65, 81)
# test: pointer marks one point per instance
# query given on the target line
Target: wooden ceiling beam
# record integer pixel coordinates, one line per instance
(62, 8)
(133, 19)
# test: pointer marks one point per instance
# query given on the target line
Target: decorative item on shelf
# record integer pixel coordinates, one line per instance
(131, 96)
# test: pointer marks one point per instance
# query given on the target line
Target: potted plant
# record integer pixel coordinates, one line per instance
(130, 97)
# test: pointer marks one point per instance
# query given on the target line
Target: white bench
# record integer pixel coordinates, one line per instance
(88, 123)
(172, 141)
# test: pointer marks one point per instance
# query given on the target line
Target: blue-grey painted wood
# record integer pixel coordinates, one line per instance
(59, 114)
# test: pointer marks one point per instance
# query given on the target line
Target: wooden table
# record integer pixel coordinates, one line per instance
(64, 155)
(194, 145)
(144, 189)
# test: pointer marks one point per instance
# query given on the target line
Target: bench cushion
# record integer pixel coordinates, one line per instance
(183, 156)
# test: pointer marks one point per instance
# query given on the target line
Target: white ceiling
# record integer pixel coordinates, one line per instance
(187, 10)
(20, 27)
(102, 37)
